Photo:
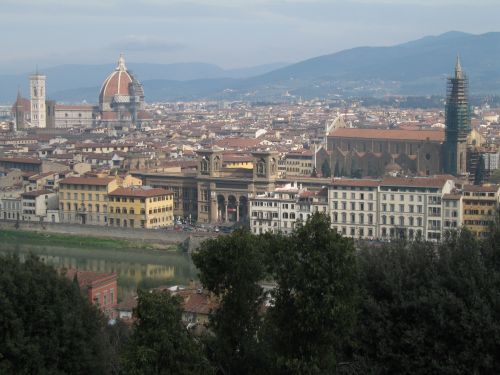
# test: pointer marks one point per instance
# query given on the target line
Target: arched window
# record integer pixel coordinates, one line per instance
(204, 165)
(261, 167)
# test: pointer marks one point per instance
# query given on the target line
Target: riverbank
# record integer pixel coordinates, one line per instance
(68, 240)
(87, 236)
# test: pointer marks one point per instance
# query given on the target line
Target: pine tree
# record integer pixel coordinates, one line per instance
(325, 169)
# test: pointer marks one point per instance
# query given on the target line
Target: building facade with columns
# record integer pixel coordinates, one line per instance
(214, 193)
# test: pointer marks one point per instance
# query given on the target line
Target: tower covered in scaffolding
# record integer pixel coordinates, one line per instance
(457, 114)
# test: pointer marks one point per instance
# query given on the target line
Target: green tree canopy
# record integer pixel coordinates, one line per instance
(160, 344)
(231, 268)
(429, 309)
(46, 325)
(315, 299)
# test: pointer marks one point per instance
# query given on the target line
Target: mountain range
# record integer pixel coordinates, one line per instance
(418, 67)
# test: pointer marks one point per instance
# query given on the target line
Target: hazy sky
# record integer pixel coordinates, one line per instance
(230, 33)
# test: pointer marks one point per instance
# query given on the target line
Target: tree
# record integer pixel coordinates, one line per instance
(160, 344)
(314, 172)
(46, 324)
(315, 298)
(231, 268)
(337, 171)
(325, 169)
(480, 169)
(429, 309)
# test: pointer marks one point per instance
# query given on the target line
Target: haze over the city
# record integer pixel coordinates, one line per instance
(232, 34)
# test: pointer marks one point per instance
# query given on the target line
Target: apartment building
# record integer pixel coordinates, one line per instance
(140, 207)
(412, 207)
(35, 206)
(309, 202)
(354, 208)
(84, 200)
(453, 211)
(391, 208)
(480, 204)
(299, 163)
(274, 211)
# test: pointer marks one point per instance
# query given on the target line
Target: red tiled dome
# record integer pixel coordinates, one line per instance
(117, 83)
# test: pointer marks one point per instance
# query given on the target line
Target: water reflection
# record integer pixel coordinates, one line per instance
(136, 268)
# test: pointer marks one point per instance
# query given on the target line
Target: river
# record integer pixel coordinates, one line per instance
(136, 268)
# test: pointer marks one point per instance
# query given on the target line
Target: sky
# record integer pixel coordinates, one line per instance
(229, 33)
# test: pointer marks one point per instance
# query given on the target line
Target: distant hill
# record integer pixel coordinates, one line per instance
(82, 82)
(413, 68)
(418, 67)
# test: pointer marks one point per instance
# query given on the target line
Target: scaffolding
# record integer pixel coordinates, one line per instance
(458, 114)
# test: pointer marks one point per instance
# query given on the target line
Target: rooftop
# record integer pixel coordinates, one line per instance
(413, 135)
(102, 181)
(140, 191)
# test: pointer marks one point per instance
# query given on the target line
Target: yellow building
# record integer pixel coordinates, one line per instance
(84, 200)
(480, 204)
(141, 207)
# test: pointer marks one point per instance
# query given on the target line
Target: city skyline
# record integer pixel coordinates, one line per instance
(230, 34)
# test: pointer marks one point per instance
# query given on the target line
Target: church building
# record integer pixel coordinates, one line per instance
(378, 152)
(121, 100)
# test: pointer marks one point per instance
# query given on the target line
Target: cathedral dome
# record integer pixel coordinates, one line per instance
(117, 83)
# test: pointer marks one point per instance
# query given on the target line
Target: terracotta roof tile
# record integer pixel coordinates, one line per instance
(420, 135)
(102, 181)
(139, 192)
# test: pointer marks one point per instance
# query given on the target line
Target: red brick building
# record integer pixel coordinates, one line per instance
(100, 288)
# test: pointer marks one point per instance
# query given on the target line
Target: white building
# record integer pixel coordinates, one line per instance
(35, 205)
(354, 207)
(274, 211)
(279, 210)
(491, 160)
(385, 209)
(10, 208)
(75, 116)
(452, 211)
(412, 207)
(37, 95)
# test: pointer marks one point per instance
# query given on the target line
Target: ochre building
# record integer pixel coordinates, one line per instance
(140, 207)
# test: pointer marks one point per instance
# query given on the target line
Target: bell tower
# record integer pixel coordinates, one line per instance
(37, 95)
(209, 162)
(458, 123)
